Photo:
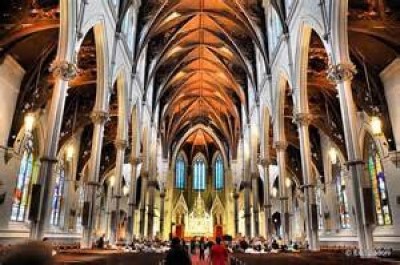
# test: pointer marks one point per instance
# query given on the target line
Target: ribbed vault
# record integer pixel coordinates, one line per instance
(201, 57)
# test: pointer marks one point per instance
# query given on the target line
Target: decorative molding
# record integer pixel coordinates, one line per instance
(264, 162)
(121, 144)
(302, 118)
(280, 145)
(64, 70)
(341, 72)
(135, 160)
(99, 117)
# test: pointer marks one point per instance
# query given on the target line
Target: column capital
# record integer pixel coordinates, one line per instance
(280, 145)
(246, 184)
(162, 195)
(302, 118)
(121, 144)
(152, 183)
(340, 73)
(236, 195)
(135, 160)
(99, 116)
(64, 70)
(264, 162)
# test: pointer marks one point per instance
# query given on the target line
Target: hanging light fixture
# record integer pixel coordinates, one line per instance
(376, 125)
(333, 155)
(29, 122)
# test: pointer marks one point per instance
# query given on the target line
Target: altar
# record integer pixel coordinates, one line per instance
(200, 222)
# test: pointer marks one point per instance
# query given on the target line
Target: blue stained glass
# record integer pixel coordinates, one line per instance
(180, 173)
(219, 173)
(199, 178)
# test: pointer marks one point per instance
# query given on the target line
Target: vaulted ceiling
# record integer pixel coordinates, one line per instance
(202, 57)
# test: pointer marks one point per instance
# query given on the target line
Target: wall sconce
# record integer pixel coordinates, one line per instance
(376, 125)
(333, 155)
(29, 122)
(69, 153)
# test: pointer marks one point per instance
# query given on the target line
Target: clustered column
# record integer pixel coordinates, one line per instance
(283, 196)
(267, 199)
(342, 75)
(99, 118)
(303, 121)
(121, 146)
(132, 198)
(236, 211)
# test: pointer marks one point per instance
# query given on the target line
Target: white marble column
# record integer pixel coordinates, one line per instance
(132, 198)
(63, 72)
(267, 200)
(283, 197)
(99, 118)
(120, 146)
(310, 207)
(143, 194)
(342, 75)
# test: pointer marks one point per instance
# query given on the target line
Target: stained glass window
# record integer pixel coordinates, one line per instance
(199, 174)
(343, 204)
(58, 196)
(219, 173)
(22, 189)
(378, 183)
(180, 173)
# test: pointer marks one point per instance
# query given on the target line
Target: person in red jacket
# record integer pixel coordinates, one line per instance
(219, 254)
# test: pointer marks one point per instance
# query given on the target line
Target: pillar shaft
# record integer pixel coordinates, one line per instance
(49, 159)
(119, 166)
(267, 199)
(132, 199)
(283, 195)
(143, 205)
(150, 212)
(342, 74)
(310, 206)
(98, 118)
(236, 211)
(162, 209)
(256, 211)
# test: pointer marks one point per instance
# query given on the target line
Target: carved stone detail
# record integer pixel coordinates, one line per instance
(121, 144)
(99, 117)
(302, 118)
(64, 70)
(280, 145)
(341, 72)
(135, 160)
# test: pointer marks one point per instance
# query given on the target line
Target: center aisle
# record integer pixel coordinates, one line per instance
(196, 260)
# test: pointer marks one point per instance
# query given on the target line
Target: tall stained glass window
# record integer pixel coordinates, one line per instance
(58, 196)
(343, 204)
(378, 183)
(22, 190)
(199, 174)
(219, 173)
(180, 173)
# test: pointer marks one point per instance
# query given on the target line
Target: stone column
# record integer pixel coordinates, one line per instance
(310, 207)
(236, 211)
(132, 198)
(267, 199)
(99, 118)
(162, 209)
(256, 210)
(110, 191)
(342, 75)
(63, 71)
(120, 146)
(150, 213)
(283, 197)
(143, 194)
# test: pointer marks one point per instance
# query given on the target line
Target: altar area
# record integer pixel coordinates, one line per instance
(200, 222)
